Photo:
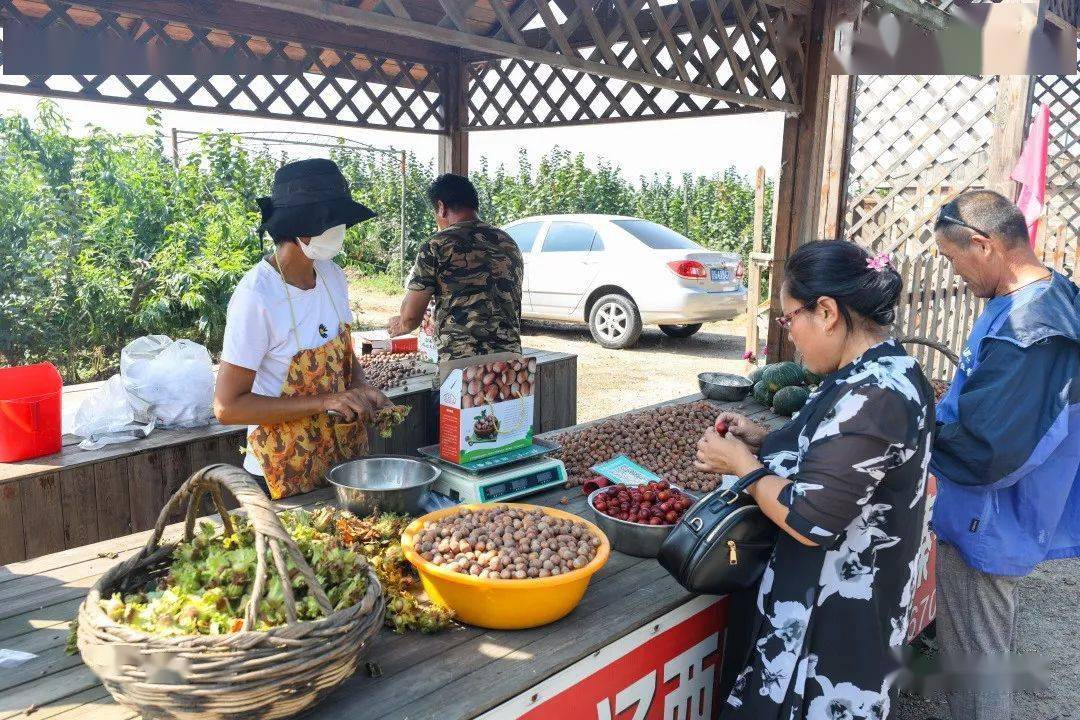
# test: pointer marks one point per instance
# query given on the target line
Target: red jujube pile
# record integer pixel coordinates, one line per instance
(655, 503)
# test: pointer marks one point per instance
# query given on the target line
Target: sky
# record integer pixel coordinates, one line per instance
(695, 145)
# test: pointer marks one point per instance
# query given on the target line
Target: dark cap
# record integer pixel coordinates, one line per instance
(309, 197)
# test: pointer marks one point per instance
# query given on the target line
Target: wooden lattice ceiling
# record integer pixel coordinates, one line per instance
(383, 63)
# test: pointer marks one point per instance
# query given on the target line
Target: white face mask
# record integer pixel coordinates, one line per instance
(327, 245)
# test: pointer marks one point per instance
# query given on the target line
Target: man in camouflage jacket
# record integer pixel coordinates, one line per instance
(474, 272)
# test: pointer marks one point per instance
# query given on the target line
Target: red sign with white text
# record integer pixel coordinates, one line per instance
(648, 675)
(924, 603)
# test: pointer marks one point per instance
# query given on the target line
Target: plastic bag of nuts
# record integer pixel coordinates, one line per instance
(507, 543)
(663, 440)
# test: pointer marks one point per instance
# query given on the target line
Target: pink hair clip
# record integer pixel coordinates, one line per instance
(879, 262)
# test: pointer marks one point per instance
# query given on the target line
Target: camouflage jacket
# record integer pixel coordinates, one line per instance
(476, 273)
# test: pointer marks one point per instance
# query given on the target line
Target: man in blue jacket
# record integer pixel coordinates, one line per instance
(1007, 451)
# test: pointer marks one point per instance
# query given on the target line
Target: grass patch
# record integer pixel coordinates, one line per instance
(380, 283)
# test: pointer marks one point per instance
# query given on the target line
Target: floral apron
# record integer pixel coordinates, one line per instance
(295, 455)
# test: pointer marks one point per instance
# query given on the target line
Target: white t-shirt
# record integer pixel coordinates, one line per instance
(258, 327)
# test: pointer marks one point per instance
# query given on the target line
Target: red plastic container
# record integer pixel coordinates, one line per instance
(30, 413)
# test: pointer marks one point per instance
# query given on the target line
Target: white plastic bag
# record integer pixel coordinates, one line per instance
(174, 378)
(110, 416)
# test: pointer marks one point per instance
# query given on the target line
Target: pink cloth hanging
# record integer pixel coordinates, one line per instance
(1030, 171)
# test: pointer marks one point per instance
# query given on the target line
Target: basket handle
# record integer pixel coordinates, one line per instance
(268, 532)
(940, 347)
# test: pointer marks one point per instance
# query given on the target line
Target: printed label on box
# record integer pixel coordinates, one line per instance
(426, 343)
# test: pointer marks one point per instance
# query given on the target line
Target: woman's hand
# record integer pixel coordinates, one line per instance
(356, 403)
(744, 429)
(725, 455)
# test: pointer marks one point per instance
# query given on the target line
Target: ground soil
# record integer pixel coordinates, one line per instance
(660, 368)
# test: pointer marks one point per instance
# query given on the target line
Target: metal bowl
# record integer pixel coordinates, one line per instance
(724, 386)
(632, 538)
(391, 483)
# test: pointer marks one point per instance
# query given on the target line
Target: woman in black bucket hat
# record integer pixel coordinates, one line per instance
(288, 369)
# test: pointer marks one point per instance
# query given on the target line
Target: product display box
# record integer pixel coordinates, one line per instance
(485, 406)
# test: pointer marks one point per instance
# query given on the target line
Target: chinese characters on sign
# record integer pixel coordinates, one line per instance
(666, 670)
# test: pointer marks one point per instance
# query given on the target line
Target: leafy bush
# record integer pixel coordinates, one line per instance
(102, 239)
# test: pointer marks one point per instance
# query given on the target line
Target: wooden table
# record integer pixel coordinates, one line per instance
(77, 497)
(459, 673)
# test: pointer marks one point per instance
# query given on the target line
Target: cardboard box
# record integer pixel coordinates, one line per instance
(485, 406)
(379, 341)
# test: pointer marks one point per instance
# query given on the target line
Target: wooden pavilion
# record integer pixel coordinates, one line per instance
(453, 67)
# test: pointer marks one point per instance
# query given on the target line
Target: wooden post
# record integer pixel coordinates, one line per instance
(454, 144)
(1010, 125)
(803, 158)
(753, 280)
(834, 182)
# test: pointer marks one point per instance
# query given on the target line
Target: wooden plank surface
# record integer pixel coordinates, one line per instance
(12, 547)
(459, 673)
(79, 506)
(42, 515)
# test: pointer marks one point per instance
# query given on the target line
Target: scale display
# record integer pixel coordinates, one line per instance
(517, 481)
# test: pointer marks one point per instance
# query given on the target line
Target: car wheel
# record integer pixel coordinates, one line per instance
(614, 322)
(680, 331)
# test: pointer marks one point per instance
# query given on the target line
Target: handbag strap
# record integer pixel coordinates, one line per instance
(732, 493)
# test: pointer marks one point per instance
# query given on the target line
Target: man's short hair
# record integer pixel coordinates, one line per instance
(453, 191)
(986, 212)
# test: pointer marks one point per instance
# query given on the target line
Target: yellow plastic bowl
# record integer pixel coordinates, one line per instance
(504, 604)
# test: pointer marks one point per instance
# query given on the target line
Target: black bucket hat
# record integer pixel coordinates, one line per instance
(309, 198)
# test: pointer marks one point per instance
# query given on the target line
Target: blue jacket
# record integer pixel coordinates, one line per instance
(1007, 451)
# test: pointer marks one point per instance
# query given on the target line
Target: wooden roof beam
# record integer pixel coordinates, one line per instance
(645, 21)
(357, 18)
(274, 25)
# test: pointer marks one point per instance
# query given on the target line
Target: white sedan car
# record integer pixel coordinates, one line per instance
(619, 273)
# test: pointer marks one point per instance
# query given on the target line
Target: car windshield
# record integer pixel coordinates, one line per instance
(657, 236)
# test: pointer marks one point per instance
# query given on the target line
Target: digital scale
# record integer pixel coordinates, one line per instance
(520, 472)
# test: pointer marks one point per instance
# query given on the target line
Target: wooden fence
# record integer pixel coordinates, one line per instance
(937, 305)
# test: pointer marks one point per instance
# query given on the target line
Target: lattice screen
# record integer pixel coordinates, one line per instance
(330, 85)
(740, 55)
(518, 93)
(1059, 241)
(915, 142)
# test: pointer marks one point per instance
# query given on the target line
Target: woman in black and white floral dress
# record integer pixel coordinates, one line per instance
(847, 487)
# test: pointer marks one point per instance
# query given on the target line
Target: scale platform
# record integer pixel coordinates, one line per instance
(539, 448)
(500, 477)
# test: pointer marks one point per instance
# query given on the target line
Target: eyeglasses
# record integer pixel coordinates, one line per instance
(948, 214)
(784, 320)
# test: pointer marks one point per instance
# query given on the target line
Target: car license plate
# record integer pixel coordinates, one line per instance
(719, 275)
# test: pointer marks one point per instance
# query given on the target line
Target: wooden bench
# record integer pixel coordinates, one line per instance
(460, 673)
(78, 497)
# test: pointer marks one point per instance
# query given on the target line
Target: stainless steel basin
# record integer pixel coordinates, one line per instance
(392, 483)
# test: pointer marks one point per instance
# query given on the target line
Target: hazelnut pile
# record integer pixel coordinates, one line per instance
(507, 543)
(390, 370)
(663, 440)
(498, 381)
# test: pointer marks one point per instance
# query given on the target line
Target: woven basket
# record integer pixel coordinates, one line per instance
(247, 674)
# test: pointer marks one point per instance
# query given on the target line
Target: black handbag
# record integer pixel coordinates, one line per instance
(723, 543)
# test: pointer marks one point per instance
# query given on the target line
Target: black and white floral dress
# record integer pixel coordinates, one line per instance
(831, 618)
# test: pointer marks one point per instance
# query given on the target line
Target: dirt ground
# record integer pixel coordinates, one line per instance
(660, 368)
